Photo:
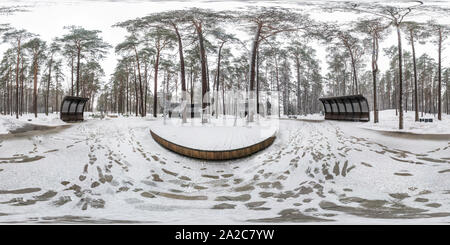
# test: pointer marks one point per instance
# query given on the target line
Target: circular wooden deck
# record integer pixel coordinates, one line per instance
(213, 155)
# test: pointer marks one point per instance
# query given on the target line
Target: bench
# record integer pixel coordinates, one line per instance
(422, 119)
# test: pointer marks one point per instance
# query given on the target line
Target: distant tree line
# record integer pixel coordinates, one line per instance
(196, 55)
(32, 71)
(279, 58)
(411, 83)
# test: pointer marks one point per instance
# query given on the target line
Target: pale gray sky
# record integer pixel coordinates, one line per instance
(47, 18)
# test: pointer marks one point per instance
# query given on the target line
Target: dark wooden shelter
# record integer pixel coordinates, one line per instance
(347, 108)
(72, 108)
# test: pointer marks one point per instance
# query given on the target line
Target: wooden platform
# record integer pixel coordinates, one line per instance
(213, 155)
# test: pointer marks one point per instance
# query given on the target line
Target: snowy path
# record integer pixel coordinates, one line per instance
(112, 171)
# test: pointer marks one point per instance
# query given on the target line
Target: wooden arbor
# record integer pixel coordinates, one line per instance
(72, 108)
(347, 108)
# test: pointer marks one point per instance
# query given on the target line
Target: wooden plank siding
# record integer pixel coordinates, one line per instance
(213, 155)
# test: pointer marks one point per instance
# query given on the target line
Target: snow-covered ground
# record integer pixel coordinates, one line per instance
(220, 134)
(110, 170)
(10, 123)
(316, 116)
(388, 122)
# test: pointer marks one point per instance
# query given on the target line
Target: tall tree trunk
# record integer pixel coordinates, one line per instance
(128, 91)
(8, 92)
(400, 78)
(192, 94)
(416, 103)
(182, 71)
(17, 79)
(353, 61)
(253, 62)
(155, 93)
(257, 82)
(355, 76)
(439, 75)
(344, 80)
(48, 85)
(305, 97)
(35, 88)
(56, 93)
(136, 99)
(253, 56)
(141, 91)
(219, 56)
(198, 27)
(278, 85)
(374, 75)
(447, 92)
(78, 69)
(82, 82)
(422, 100)
(166, 95)
(21, 86)
(27, 99)
(299, 95)
(71, 75)
(146, 88)
(223, 96)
